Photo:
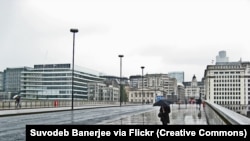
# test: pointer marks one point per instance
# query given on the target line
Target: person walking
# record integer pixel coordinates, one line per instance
(164, 115)
(18, 105)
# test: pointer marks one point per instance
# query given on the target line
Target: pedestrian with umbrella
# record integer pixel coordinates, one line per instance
(164, 111)
(17, 102)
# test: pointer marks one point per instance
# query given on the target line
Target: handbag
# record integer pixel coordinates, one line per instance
(160, 114)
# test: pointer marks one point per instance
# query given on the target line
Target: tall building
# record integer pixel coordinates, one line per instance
(3, 95)
(12, 79)
(179, 75)
(228, 84)
(222, 57)
(1, 81)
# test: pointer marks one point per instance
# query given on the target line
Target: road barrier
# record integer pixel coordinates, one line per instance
(26, 104)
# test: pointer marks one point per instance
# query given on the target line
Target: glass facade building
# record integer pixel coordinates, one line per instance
(54, 81)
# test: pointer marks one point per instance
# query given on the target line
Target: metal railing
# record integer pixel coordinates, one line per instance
(27, 104)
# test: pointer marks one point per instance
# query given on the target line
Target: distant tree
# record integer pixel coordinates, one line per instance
(124, 97)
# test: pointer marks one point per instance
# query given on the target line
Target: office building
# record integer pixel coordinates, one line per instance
(54, 81)
(179, 75)
(1, 81)
(222, 57)
(12, 79)
(228, 84)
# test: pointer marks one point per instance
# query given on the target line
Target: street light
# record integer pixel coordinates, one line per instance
(120, 78)
(155, 85)
(73, 59)
(142, 67)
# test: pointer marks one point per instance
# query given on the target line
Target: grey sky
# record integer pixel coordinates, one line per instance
(162, 35)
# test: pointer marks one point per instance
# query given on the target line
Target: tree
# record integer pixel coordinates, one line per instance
(124, 95)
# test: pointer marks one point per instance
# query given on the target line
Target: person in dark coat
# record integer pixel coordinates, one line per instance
(164, 115)
(18, 105)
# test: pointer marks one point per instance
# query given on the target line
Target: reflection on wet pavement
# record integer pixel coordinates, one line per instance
(189, 114)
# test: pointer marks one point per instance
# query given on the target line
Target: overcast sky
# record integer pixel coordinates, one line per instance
(162, 35)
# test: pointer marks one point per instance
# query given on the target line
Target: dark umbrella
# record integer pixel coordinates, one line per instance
(162, 102)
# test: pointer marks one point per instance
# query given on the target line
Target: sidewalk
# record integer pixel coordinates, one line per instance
(189, 114)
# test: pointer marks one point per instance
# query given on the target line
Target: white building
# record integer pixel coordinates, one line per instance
(156, 85)
(148, 96)
(192, 90)
(228, 84)
(54, 81)
(101, 92)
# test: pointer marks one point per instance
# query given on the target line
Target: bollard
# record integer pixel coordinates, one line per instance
(55, 103)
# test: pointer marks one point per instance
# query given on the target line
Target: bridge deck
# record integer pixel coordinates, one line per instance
(180, 115)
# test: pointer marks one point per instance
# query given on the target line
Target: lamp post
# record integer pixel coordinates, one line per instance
(120, 78)
(73, 61)
(155, 86)
(142, 67)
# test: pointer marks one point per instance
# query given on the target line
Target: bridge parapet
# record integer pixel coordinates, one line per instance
(218, 115)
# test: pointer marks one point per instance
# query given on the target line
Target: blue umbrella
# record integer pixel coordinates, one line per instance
(162, 102)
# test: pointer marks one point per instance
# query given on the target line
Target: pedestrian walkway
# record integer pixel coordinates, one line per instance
(180, 115)
(189, 114)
